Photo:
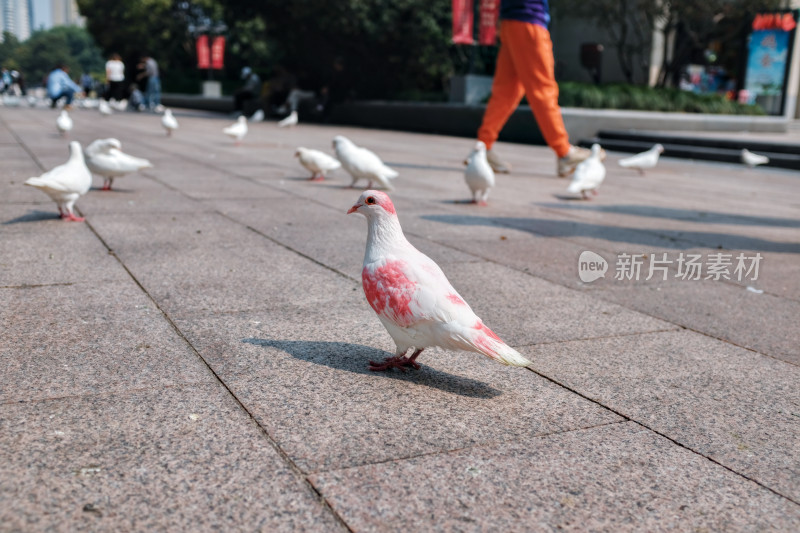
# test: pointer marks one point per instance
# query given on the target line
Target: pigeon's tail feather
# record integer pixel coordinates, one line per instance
(574, 187)
(36, 182)
(490, 345)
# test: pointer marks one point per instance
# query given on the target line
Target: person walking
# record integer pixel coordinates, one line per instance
(152, 95)
(59, 85)
(115, 76)
(526, 66)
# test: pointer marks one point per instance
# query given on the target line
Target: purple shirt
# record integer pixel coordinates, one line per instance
(530, 11)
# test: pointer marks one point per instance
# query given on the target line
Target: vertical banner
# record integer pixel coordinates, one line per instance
(218, 53)
(462, 22)
(487, 24)
(203, 56)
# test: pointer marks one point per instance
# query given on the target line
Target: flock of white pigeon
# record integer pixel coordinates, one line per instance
(407, 290)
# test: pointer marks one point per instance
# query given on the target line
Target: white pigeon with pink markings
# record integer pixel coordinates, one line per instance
(413, 298)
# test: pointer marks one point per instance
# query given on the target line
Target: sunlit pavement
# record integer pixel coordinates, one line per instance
(194, 355)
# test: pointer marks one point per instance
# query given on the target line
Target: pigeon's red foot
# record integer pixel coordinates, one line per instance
(316, 178)
(482, 203)
(106, 187)
(594, 191)
(398, 361)
(72, 218)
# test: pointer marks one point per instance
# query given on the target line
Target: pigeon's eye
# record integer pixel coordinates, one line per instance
(370, 200)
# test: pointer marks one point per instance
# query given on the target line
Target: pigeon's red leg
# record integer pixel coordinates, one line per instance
(398, 361)
(317, 177)
(594, 191)
(585, 197)
(71, 217)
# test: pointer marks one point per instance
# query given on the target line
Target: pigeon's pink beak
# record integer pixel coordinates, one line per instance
(353, 209)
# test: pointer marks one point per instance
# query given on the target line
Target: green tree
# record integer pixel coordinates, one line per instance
(388, 48)
(44, 50)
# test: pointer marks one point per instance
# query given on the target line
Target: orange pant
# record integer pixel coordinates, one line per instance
(525, 65)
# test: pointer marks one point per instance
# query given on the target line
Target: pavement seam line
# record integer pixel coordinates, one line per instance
(107, 394)
(616, 336)
(251, 228)
(676, 442)
(281, 453)
(489, 444)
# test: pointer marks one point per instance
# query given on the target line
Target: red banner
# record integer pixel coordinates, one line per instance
(462, 22)
(774, 21)
(203, 56)
(218, 53)
(487, 24)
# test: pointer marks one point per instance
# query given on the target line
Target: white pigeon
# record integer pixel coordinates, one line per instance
(258, 116)
(169, 122)
(479, 174)
(63, 123)
(66, 183)
(289, 121)
(589, 174)
(753, 160)
(362, 164)
(648, 159)
(317, 162)
(106, 158)
(237, 130)
(413, 298)
(104, 108)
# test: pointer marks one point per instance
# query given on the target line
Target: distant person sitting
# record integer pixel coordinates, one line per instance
(249, 91)
(59, 85)
(135, 99)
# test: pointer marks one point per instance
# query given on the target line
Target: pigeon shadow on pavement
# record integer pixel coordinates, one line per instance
(689, 215)
(565, 198)
(674, 239)
(355, 358)
(34, 216)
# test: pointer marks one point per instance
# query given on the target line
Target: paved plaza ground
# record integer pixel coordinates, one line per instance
(194, 356)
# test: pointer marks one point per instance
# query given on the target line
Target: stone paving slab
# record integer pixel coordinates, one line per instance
(176, 459)
(618, 477)
(730, 404)
(88, 338)
(310, 386)
(259, 271)
(199, 263)
(726, 311)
